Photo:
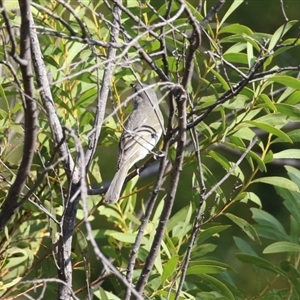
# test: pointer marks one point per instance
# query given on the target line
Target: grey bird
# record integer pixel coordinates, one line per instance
(142, 131)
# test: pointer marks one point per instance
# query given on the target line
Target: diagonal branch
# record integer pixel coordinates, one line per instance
(104, 90)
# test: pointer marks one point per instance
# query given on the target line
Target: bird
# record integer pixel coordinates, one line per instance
(142, 131)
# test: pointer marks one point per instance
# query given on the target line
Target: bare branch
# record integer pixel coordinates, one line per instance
(104, 89)
(49, 105)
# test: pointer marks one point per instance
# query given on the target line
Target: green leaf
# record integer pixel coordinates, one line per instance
(244, 225)
(294, 174)
(202, 249)
(271, 129)
(286, 81)
(274, 119)
(236, 58)
(269, 157)
(231, 9)
(294, 98)
(288, 154)
(288, 110)
(221, 80)
(204, 269)
(223, 289)
(265, 98)
(250, 54)
(278, 181)
(293, 134)
(279, 33)
(178, 217)
(249, 196)
(291, 202)
(220, 159)
(243, 246)
(264, 218)
(169, 268)
(236, 28)
(279, 247)
(122, 237)
(249, 156)
(10, 283)
(209, 232)
(271, 233)
(103, 295)
(259, 262)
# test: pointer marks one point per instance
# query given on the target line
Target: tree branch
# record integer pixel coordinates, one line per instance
(11, 203)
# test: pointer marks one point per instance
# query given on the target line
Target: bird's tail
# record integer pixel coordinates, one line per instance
(113, 193)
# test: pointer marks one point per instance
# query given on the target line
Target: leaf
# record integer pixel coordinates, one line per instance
(286, 81)
(279, 33)
(231, 9)
(249, 196)
(122, 237)
(210, 262)
(169, 268)
(204, 269)
(244, 225)
(259, 262)
(279, 247)
(178, 217)
(236, 28)
(294, 174)
(243, 246)
(265, 98)
(294, 98)
(223, 289)
(271, 233)
(220, 159)
(103, 295)
(293, 134)
(291, 202)
(209, 232)
(236, 58)
(222, 80)
(271, 129)
(250, 54)
(288, 110)
(274, 119)
(202, 250)
(249, 156)
(288, 154)
(264, 218)
(278, 181)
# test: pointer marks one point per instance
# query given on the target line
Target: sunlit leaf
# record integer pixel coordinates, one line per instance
(236, 28)
(271, 129)
(232, 8)
(169, 268)
(279, 33)
(288, 154)
(286, 81)
(278, 181)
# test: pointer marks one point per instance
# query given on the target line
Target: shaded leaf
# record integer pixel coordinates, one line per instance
(244, 225)
(259, 262)
(282, 247)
